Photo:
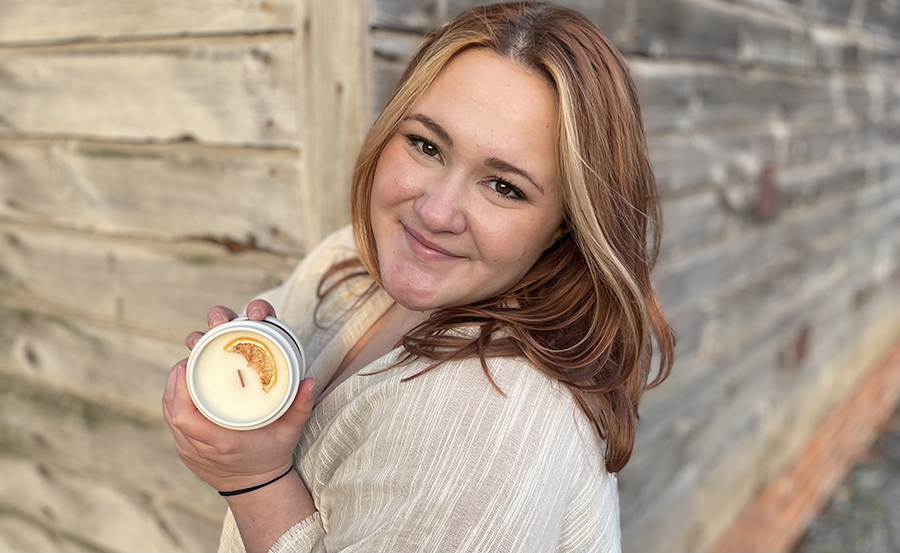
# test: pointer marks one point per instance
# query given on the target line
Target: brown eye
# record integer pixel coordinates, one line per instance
(429, 149)
(426, 147)
(505, 189)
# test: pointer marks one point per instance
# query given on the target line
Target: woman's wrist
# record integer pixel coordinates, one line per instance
(265, 514)
(255, 487)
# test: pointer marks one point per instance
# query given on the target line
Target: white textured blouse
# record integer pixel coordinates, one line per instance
(442, 462)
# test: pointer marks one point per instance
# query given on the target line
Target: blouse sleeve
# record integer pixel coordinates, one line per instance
(444, 462)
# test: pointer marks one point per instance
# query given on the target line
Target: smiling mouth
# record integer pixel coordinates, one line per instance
(425, 249)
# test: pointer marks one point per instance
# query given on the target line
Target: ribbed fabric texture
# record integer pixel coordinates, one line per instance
(443, 462)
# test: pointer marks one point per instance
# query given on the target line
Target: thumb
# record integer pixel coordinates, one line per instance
(303, 404)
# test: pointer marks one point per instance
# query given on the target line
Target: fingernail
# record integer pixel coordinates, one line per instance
(256, 312)
(311, 394)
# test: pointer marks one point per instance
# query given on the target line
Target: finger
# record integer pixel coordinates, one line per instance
(303, 404)
(192, 339)
(219, 315)
(259, 310)
(182, 396)
(182, 409)
(183, 444)
(169, 392)
(187, 418)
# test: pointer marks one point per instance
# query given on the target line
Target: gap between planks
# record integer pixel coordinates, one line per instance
(148, 39)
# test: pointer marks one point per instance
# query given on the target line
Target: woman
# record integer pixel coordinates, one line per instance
(501, 205)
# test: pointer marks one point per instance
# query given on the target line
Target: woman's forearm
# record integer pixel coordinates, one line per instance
(264, 515)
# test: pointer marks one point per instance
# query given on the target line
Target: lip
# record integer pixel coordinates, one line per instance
(425, 249)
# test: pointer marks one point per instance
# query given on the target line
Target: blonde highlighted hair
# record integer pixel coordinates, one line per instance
(586, 313)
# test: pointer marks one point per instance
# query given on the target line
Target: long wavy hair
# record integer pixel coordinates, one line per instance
(586, 313)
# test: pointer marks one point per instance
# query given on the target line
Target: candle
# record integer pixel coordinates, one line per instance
(245, 374)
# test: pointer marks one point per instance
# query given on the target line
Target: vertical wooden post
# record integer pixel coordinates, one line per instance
(333, 78)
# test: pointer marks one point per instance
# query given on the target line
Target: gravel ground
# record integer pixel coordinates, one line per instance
(863, 516)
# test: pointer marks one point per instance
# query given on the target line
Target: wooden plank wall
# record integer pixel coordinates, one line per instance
(156, 158)
(159, 157)
(779, 305)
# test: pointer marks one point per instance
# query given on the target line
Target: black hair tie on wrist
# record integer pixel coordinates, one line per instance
(253, 488)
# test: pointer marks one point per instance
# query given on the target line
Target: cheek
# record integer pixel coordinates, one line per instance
(513, 242)
(393, 182)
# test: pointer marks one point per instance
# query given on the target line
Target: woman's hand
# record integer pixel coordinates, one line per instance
(231, 459)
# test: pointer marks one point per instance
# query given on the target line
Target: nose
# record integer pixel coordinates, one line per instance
(442, 205)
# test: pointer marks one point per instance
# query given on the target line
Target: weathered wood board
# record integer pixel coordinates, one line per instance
(97, 363)
(97, 441)
(391, 52)
(242, 196)
(96, 514)
(679, 96)
(611, 16)
(798, 188)
(749, 427)
(226, 91)
(883, 17)
(763, 251)
(162, 289)
(333, 53)
(19, 533)
(408, 15)
(686, 161)
(746, 338)
(718, 31)
(692, 221)
(780, 359)
(48, 20)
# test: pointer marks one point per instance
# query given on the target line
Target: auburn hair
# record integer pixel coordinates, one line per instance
(586, 313)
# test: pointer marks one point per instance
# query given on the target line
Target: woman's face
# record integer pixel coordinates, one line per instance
(466, 195)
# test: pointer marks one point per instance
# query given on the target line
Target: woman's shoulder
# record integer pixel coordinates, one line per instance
(300, 288)
(334, 248)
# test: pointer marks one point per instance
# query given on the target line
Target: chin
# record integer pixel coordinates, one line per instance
(413, 301)
(412, 289)
(413, 298)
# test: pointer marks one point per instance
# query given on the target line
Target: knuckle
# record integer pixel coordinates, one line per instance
(180, 421)
(226, 446)
(231, 444)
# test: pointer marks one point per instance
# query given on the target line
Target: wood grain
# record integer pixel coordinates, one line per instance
(20, 533)
(333, 63)
(249, 198)
(225, 91)
(99, 515)
(96, 363)
(681, 96)
(779, 515)
(163, 289)
(391, 53)
(97, 441)
(30, 21)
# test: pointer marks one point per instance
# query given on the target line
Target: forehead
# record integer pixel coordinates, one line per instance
(495, 105)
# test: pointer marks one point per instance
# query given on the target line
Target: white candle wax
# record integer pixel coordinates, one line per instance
(230, 396)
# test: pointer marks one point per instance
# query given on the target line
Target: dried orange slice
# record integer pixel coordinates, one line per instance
(258, 356)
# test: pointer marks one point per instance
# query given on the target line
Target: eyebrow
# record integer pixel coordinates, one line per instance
(432, 125)
(492, 162)
(500, 165)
